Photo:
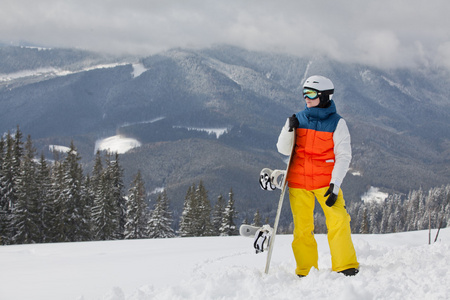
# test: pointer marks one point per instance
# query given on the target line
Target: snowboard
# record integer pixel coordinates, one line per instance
(283, 185)
(262, 236)
(248, 230)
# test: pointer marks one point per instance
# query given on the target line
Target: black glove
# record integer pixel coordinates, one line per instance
(293, 122)
(332, 196)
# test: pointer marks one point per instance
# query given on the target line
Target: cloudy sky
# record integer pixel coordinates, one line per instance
(385, 33)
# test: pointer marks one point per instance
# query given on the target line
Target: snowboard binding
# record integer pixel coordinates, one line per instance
(265, 181)
(262, 238)
(269, 180)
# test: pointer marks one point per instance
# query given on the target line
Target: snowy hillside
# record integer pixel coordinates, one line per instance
(393, 266)
(225, 103)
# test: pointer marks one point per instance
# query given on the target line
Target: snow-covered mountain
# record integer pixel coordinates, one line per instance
(398, 118)
(392, 266)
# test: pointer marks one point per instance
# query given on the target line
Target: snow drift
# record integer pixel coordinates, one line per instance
(393, 266)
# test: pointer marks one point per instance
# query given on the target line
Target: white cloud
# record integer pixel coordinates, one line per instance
(381, 32)
(444, 54)
(378, 47)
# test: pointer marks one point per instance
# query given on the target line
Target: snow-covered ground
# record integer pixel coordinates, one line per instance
(51, 72)
(393, 266)
(117, 143)
(58, 148)
(374, 195)
(138, 69)
(217, 131)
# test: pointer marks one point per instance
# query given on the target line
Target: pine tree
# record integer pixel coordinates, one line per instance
(386, 213)
(196, 216)
(422, 215)
(187, 219)
(364, 222)
(257, 219)
(396, 220)
(10, 173)
(2, 159)
(7, 175)
(204, 227)
(217, 214)
(160, 223)
(4, 224)
(117, 194)
(77, 213)
(105, 215)
(56, 197)
(97, 171)
(228, 226)
(446, 218)
(374, 218)
(25, 211)
(108, 212)
(45, 207)
(136, 226)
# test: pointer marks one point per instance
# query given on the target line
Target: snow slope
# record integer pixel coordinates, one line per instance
(393, 266)
(117, 143)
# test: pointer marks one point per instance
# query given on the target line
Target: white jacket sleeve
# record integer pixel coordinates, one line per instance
(342, 152)
(285, 140)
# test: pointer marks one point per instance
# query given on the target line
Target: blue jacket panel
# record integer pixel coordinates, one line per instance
(319, 119)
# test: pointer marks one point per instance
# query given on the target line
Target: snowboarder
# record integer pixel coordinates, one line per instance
(321, 159)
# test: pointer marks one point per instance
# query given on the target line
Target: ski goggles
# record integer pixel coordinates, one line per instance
(310, 94)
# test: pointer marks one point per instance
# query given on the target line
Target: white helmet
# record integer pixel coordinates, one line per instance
(321, 84)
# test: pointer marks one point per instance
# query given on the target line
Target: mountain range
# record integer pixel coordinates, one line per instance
(172, 101)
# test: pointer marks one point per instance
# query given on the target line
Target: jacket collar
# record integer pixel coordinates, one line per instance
(320, 113)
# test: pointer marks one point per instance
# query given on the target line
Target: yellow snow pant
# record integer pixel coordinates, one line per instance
(343, 254)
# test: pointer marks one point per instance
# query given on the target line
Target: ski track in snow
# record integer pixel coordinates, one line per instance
(392, 266)
(400, 272)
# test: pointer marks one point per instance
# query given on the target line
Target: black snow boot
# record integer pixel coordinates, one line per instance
(350, 272)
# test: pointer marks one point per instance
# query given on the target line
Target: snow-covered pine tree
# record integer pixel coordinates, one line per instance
(45, 207)
(396, 219)
(187, 219)
(13, 157)
(446, 217)
(8, 195)
(77, 213)
(117, 193)
(228, 227)
(4, 223)
(204, 226)
(217, 214)
(257, 219)
(2, 154)
(105, 212)
(364, 229)
(196, 217)
(25, 217)
(386, 210)
(421, 214)
(97, 172)
(56, 197)
(160, 222)
(136, 226)
(374, 217)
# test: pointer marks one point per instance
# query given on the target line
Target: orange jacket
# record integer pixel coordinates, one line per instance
(313, 160)
(322, 150)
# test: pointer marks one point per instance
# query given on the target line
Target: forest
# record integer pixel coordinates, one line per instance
(43, 201)
(47, 201)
